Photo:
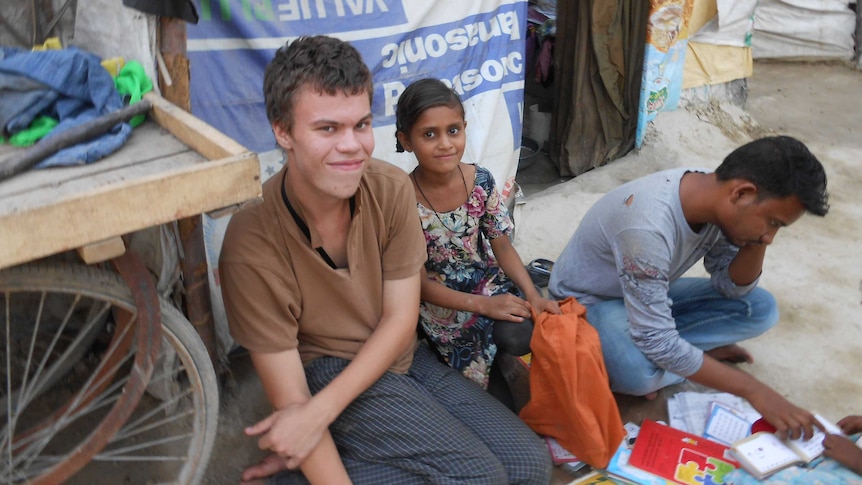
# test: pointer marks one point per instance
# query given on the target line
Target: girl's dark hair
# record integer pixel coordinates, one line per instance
(780, 166)
(419, 96)
(325, 64)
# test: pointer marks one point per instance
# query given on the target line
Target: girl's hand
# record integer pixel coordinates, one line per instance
(541, 304)
(843, 451)
(505, 307)
(851, 424)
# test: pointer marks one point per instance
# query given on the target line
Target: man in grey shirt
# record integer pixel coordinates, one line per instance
(626, 259)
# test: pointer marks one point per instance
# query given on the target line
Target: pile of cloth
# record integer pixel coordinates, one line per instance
(44, 92)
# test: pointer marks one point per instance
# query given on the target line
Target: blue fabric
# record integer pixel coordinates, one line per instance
(703, 317)
(80, 89)
(21, 99)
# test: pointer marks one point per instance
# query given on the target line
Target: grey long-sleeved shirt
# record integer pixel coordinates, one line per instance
(632, 244)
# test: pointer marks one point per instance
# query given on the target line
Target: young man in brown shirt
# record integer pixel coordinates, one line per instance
(321, 284)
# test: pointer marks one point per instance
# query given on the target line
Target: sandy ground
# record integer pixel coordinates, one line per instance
(814, 267)
(814, 355)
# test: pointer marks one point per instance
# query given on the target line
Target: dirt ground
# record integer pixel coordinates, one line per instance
(814, 355)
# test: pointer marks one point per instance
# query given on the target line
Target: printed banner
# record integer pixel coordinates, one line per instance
(664, 59)
(477, 47)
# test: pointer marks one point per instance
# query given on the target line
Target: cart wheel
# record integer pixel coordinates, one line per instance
(167, 439)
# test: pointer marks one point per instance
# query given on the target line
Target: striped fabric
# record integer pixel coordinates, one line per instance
(430, 425)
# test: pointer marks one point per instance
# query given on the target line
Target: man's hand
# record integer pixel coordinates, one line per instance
(790, 421)
(291, 433)
(843, 451)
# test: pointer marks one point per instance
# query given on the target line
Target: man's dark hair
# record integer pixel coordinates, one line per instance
(419, 96)
(780, 166)
(325, 64)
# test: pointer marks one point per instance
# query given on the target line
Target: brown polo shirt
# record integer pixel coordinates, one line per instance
(281, 294)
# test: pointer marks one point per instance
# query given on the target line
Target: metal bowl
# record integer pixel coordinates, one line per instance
(529, 149)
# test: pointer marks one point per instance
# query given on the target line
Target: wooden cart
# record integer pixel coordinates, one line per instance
(82, 342)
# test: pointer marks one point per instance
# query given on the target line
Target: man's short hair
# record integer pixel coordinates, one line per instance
(780, 166)
(325, 64)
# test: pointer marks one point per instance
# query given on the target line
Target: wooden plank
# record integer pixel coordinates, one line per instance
(148, 142)
(53, 186)
(159, 176)
(103, 250)
(35, 228)
(193, 131)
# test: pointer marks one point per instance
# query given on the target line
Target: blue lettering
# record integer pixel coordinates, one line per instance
(294, 10)
(436, 44)
(356, 7)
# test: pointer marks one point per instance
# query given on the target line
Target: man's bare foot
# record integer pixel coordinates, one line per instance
(270, 465)
(651, 396)
(732, 353)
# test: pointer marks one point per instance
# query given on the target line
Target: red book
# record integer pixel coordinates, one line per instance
(682, 457)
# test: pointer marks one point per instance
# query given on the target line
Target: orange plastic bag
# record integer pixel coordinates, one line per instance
(570, 399)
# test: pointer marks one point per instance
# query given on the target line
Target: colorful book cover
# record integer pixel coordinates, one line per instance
(681, 457)
(621, 471)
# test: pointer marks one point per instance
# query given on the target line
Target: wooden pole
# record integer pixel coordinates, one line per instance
(198, 304)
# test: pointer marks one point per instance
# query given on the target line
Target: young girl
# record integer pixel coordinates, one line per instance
(469, 306)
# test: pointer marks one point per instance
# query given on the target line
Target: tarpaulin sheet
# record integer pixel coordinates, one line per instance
(799, 29)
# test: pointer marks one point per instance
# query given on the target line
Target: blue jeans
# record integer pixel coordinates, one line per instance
(704, 318)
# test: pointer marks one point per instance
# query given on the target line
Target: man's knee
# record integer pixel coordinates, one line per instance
(764, 308)
(639, 380)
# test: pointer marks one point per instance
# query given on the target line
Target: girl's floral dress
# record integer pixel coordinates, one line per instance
(460, 257)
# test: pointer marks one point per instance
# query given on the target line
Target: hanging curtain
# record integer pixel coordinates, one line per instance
(598, 78)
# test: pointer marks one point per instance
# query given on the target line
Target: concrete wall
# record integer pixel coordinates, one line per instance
(20, 27)
(129, 34)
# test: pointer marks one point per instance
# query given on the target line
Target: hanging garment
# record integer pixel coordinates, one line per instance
(570, 398)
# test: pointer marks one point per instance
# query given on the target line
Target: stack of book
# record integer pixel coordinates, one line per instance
(663, 455)
(729, 439)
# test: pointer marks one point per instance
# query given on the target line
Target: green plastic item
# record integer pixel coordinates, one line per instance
(133, 82)
(40, 127)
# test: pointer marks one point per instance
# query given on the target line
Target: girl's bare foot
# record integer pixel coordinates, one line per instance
(732, 353)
